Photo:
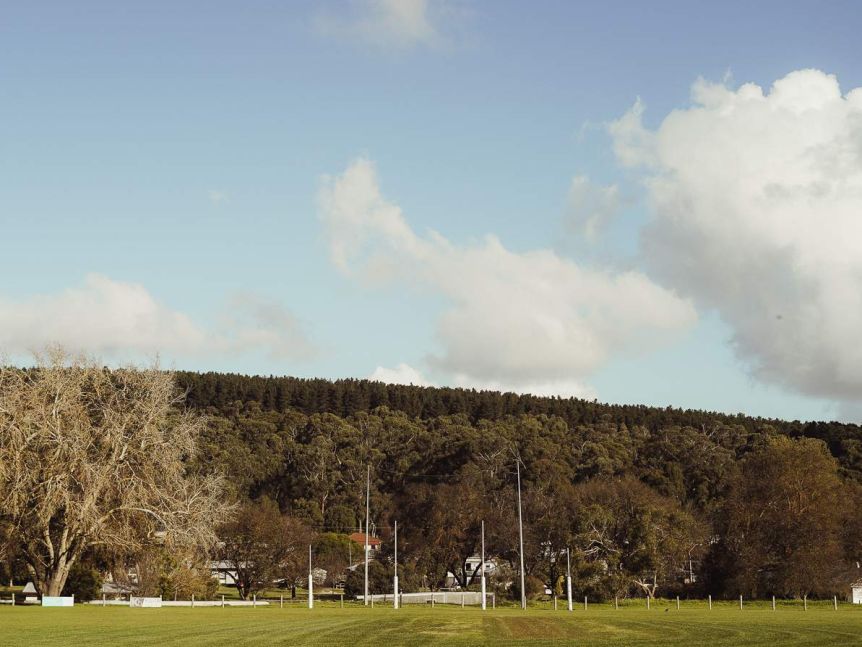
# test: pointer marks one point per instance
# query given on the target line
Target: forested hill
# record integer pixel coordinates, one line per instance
(347, 397)
(636, 491)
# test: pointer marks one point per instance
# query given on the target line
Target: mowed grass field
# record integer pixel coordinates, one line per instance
(382, 626)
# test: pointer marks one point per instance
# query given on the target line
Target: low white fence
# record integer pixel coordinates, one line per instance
(133, 602)
(464, 598)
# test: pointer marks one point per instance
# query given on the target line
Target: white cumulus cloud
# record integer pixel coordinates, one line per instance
(401, 374)
(756, 198)
(514, 320)
(120, 319)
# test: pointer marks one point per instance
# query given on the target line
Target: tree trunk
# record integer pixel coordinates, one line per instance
(55, 580)
(50, 581)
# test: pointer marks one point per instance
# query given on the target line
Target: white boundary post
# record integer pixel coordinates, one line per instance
(569, 579)
(482, 567)
(367, 515)
(521, 537)
(395, 579)
(310, 581)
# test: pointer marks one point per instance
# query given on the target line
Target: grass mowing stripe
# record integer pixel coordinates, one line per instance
(356, 626)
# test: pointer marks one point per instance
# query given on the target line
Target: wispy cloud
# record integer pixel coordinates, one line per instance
(399, 24)
(120, 319)
(217, 197)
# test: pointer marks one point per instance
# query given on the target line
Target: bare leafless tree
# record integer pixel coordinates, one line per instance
(97, 457)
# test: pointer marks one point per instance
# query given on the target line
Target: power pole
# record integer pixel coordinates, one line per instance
(310, 581)
(482, 566)
(521, 536)
(395, 583)
(569, 577)
(367, 515)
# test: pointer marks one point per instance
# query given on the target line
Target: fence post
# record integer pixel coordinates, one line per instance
(193, 600)
(281, 601)
(103, 599)
(432, 600)
(805, 603)
(494, 600)
(710, 602)
(616, 602)
(835, 602)
(647, 601)
(372, 600)
(677, 603)
(342, 600)
(555, 603)
(222, 602)
(740, 602)
(585, 603)
(773, 603)
(13, 599)
(254, 600)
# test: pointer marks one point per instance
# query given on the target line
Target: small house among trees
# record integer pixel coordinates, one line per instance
(856, 592)
(374, 543)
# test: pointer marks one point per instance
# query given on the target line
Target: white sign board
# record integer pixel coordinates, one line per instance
(58, 601)
(145, 603)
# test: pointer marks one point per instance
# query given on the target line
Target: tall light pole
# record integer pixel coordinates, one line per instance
(482, 566)
(521, 536)
(569, 577)
(395, 583)
(310, 581)
(367, 515)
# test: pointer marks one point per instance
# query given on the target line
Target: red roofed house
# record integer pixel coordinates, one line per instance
(374, 543)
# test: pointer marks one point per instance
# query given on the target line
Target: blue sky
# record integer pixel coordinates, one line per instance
(166, 167)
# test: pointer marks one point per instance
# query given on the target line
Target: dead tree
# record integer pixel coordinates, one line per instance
(97, 457)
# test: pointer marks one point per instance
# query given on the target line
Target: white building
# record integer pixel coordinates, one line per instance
(856, 592)
(225, 571)
(471, 567)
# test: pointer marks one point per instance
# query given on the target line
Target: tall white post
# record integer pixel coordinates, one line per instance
(482, 566)
(521, 537)
(367, 515)
(310, 582)
(395, 582)
(569, 578)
